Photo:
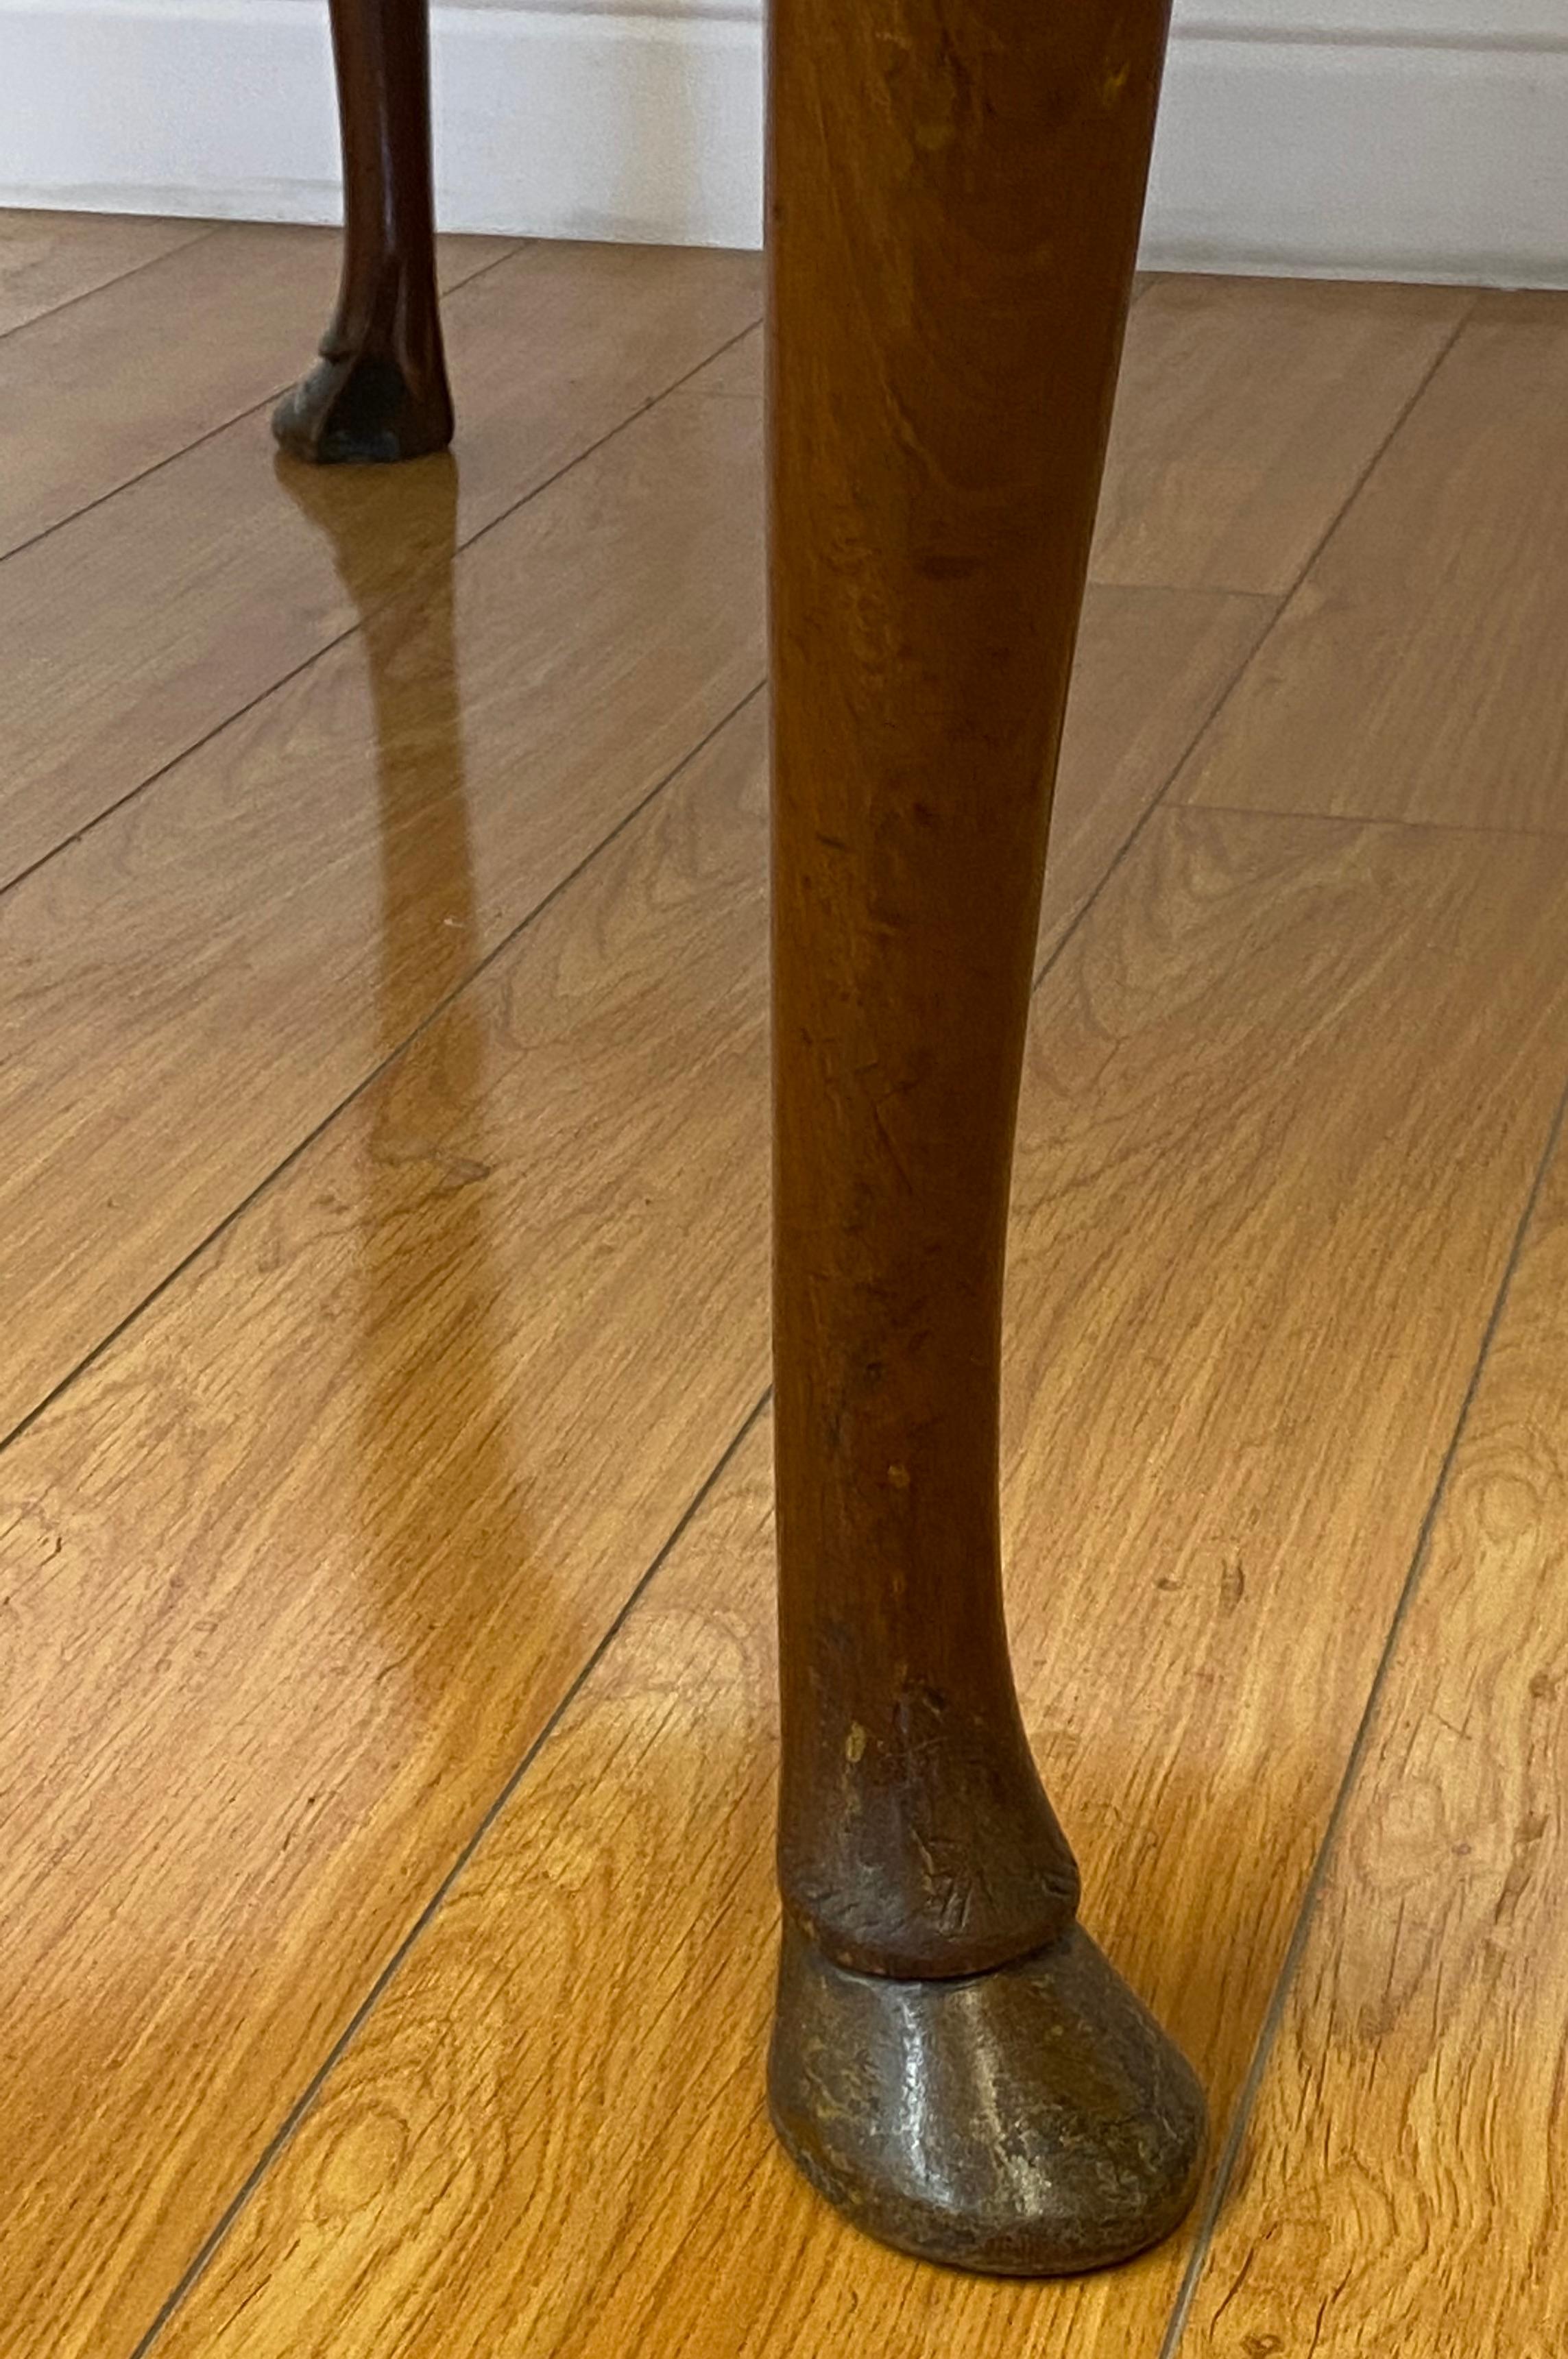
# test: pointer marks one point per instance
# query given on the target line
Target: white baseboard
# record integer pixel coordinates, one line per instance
(1413, 156)
(550, 123)
(1342, 148)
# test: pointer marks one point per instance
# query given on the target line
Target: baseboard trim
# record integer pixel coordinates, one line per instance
(1342, 155)
(1339, 152)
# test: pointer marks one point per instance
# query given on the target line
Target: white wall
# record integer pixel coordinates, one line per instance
(1417, 138)
(1345, 135)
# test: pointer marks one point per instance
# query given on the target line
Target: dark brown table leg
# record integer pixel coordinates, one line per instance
(379, 390)
(955, 203)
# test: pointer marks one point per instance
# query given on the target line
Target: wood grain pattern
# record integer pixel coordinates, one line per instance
(137, 628)
(205, 977)
(47, 258)
(1240, 1326)
(1418, 673)
(297, 1572)
(1248, 410)
(1150, 666)
(100, 392)
(1402, 2187)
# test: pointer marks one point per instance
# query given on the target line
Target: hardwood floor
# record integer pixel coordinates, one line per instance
(1408, 2139)
(238, 569)
(99, 391)
(1417, 672)
(48, 259)
(1249, 410)
(387, 1756)
(178, 1041)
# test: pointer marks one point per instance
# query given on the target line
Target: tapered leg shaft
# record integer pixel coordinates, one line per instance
(955, 190)
(379, 390)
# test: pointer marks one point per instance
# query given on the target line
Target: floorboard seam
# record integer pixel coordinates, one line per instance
(196, 2269)
(356, 627)
(209, 433)
(1156, 802)
(1161, 799)
(1285, 599)
(118, 279)
(1230, 2151)
(431, 1016)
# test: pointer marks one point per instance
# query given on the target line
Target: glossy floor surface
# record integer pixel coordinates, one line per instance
(386, 1748)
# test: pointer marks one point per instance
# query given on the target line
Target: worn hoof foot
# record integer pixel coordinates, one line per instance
(361, 409)
(1031, 2121)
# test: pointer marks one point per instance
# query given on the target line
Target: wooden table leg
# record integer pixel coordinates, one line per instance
(955, 190)
(379, 390)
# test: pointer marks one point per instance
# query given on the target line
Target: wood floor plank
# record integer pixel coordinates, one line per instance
(98, 393)
(736, 374)
(297, 1572)
(139, 626)
(234, 916)
(1248, 411)
(1419, 672)
(1150, 666)
(1402, 2182)
(197, 983)
(49, 258)
(1241, 1323)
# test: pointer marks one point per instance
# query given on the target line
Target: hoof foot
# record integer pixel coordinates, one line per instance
(1031, 2121)
(361, 410)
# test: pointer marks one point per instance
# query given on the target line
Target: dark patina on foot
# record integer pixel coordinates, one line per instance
(358, 409)
(1031, 2121)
